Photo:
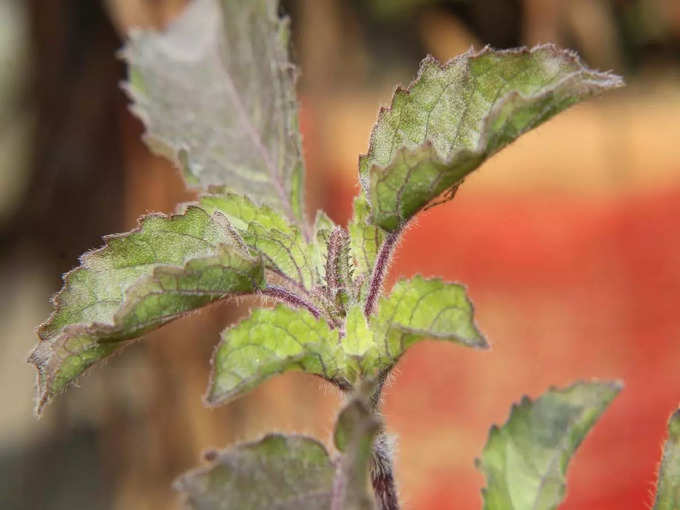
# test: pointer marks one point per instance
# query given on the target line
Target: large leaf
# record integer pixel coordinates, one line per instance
(216, 92)
(525, 461)
(289, 472)
(668, 485)
(269, 342)
(137, 282)
(454, 116)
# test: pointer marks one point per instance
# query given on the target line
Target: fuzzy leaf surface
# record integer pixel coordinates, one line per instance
(265, 232)
(668, 485)
(289, 472)
(138, 281)
(525, 460)
(281, 472)
(269, 342)
(216, 92)
(422, 308)
(454, 116)
(323, 227)
(365, 241)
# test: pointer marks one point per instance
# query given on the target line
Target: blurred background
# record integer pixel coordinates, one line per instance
(567, 240)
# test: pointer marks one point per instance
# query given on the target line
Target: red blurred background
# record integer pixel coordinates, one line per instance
(567, 242)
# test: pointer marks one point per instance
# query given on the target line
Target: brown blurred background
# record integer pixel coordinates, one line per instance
(568, 242)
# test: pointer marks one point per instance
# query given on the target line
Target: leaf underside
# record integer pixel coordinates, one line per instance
(138, 281)
(525, 460)
(454, 116)
(668, 484)
(288, 472)
(216, 92)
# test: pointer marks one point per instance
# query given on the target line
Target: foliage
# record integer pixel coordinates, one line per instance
(216, 93)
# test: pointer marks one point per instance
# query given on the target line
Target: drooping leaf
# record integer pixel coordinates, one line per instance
(269, 342)
(668, 485)
(454, 116)
(265, 232)
(525, 461)
(137, 282)
(422, 308)
(289, 472)
(216, 92)
(365, 240)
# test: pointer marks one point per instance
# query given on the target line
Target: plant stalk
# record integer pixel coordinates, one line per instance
(382, 474)
(380, 270)
(292, 299)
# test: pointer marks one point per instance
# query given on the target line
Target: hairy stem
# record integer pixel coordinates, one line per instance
(380, 270)
(382, 474)
(292, 299)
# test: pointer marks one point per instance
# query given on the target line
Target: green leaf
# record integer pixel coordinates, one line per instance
(293, 471)
(137, 282)
(358, 336)
(272, 341)
(454, 116)
(422, 308)
(668, 485)
(323, 227)
(265, 232)
(269, 342)
(216, 92)
(525, 461)
(365, 241)
(289, 472)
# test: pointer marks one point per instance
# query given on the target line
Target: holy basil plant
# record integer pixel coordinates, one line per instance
(216, 92)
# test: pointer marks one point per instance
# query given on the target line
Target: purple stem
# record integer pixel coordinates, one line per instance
(382, 475)
(292, 299)
(379, 271)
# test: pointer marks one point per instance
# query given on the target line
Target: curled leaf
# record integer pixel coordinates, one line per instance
(454, 116)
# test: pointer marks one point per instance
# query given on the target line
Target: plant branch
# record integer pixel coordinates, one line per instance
(380, 270)
(288, 297)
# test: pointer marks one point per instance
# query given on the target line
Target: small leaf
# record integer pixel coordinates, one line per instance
(137, 282)
(323, 226)
(422, 308)
(454, 116)
(216, 92)
(289, 472)
(269, 342)
(358, 336)
(668, 485)
(265, 232)
(338, 272)
(365, 241)
(293, 471)
(525, 461)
